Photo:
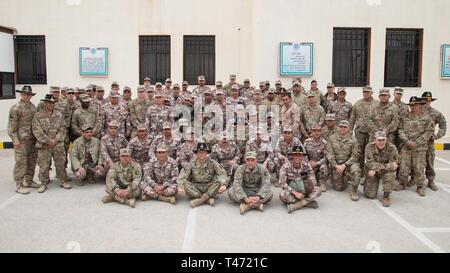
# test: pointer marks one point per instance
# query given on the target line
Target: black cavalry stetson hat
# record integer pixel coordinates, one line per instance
(427, 96)
(415, 100)
(201, 146)
(26, 89)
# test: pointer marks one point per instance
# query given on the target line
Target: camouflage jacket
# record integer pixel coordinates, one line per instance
(111, 147)
(263, 151)
(311, 115)
(283, 149)
(327, 132)
(316, 150)
(20, 120)
(208, 172)
(379, 161)
(200, 91)
(289, 173)
(124, 177)
(154, 173)
(438, 119)
(86, 154)
(172, 144)
(138, 109)
(342, 150)
(222, 154)
(291, 116)
(300, 99)
(254, 182)
(341, 110)
(49, 127)
(403, 108)
(416, 128)
(139, 149)
(155, 117)
(82, 117)
(360, 115)
(118, 113)
(383, 118)
(186, 153)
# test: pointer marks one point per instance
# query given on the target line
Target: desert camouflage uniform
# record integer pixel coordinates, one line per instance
(311, 115)
(121, 177)
(139, 149)
(172, 145)
(185, 154)
(327, 132)
(315, 150)
(383, 118)
(341, 110)
(137, 110)
(165, 175)
(155, 117)
(291, 116)
(110, 148)
(225, 154)
(118, 113)
(248, 183)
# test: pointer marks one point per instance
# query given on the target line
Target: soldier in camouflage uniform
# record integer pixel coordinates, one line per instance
(122, 181)
(439, 120)
(317, 93)
(330, 126)
(297, 96)
(100, 99)
(342, 154)
(160, 177)
(20, 130)
(140, 145)
(311, 113)
(156, 115)
(415, 130)
(172, 144)
(118, 112)
(126, 99)
(186, 153)
(49, 128)
(403, 109)
(340, 107)
(229, 85)
(381, 164)
(227, 154)
(251, 185)
(298, 182)
(84, 116)
(315, 148)
(138, 109)
(290, 115)
(384, 116)
(73, 105)
(199, 91)
(263, 149)
(271, 100)
(234, 99)
(358, 120)
(202, 178)
(111, 145)
(329, 97)
(86, 158)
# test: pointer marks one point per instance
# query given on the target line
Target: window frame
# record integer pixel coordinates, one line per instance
(21, 79)
(210, 79)
(141, 53)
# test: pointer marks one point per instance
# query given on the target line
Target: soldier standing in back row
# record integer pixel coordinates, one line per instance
(384, 116)
(20, 130)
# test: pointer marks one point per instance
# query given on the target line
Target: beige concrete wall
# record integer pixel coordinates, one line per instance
(250, 52)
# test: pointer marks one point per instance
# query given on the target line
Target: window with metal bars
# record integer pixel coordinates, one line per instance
(351, 55)
(31, 65)
(154, 58)
(7, 86)
(403, 57)
(200, 58)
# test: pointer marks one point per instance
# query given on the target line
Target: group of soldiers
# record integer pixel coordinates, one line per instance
(137, 146)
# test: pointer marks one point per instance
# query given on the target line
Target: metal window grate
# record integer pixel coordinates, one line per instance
(7, 86)
(351, 56)
(200, 58)
(154, 58)
(403, 57)
(30, 59)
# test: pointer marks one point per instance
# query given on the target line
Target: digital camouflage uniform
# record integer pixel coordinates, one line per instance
(86, 118)
(223, 154)
(118, 113)
(124, 177)
(110, 148)
(291, 116)
(315, 149)
(172, 145)
(383, 118)
(155, 117)
(137, 111)
(403, 109)
(185, 154)
(311, 115)
(248, 183)
(342, 110)
(140, 149)
(86, 154)
(165, 175)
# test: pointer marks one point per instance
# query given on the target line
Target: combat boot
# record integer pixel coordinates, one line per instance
(410, 182)
(323, 187)
(386, 200)
(431, 185)
(210, 202)
(243, 208)
(145, 197)
(421, 191)
(199, 201)
(170, 200)
(400, 187)
(131, 202)
(295, 206)
(313, 205)
(354, 194)
(90, 179)
(260, 207)
(107, 199)
(31, 184)
(65, 185)
(22, 190)
(42, 188)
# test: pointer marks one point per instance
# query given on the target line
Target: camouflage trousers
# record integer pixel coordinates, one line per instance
(133, 194)
(350, 175)
(196, 190)
(234, 198)
(25, 162)
(372, 183)
(89, 172)
(288, 198)
(45, 155)
(168, 192)
(363, 140)
(321, 172)
(429, 171)
(413, 162)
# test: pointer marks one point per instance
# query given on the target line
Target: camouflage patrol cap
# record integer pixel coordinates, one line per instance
(166, 98)
(89, 88)
(367, 89)
(219, 83)
(85, 98)
(380, 135)
(250, 155)
(185, 83)
(342, 89)
(398, 90)
(150, 89)
(278, 82)
(113, 123)
(141, 88)
(232, 76)
(299, 150)
(147, 79)
(257, 91)
(114, 95)
(201, 146)
(262, 83)
(167, 125)
(86, 127)
(70, 91)
(330, 117)
(384, 91)
(201, 78)
(235, 87)
(287, 128)
(127, 88)
(114, 84)
(161, 148)
(271, 90)
(64, 88)
(296, 83)
(158, 84)
(310, 94)
(80, 90)
(219, 92)
(247, 80)
(316, 126)
(330, 84)
(142, 127)
(55, 89)
(125, 152)
(159, 94)
(176, 86)
(168, 80)
(344, 123)
(208, 92)
(266, 82)
(100, 88)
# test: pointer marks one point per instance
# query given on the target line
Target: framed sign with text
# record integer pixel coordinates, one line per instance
(296, 59)
(445, 62)
(93, 61)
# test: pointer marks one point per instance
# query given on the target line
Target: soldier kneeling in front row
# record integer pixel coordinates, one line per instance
(251, 186)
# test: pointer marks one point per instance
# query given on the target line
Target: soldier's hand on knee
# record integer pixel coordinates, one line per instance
(299, 195)
(222, 189)
(372, 173)
(394, 166)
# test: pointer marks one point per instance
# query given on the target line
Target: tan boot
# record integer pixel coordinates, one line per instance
(167, 199)
(22, 190)
(145, 197)
(65, 185)
(107, 199)
(295, 206)
(210, 202)
(31, 184)
(354, 194)
(399, 187)
(432, 186)
(131, 202)
(199, 201)
(243, 208)
(323, 187)
(260, 207)
(386, 201)
(421, 191)
(410, 182)
(312, 205)
(42, 188)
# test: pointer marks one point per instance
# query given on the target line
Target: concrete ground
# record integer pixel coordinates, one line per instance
(77, 221)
